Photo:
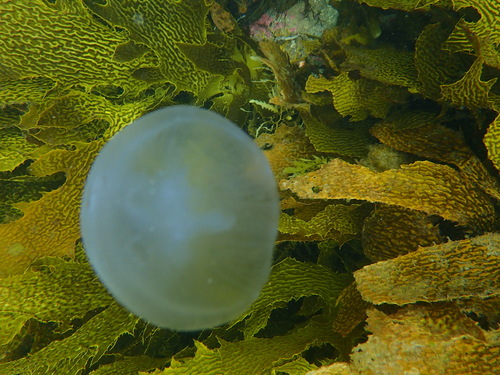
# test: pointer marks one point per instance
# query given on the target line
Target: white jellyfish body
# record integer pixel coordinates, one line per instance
(179, 217)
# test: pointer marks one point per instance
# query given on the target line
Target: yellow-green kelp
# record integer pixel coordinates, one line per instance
(387, 157)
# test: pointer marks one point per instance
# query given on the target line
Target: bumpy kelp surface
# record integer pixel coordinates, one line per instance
(384, 138)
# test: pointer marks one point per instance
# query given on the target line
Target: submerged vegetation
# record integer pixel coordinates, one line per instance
(382, 131)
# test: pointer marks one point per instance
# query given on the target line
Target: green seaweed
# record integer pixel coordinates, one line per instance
(418, 76)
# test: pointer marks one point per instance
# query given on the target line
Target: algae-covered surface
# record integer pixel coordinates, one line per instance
(381, 123)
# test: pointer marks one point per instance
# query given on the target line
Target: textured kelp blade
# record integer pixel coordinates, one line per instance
(253, 355)
(339, 368)
(408, 5)
(433, 188)
(85, 346)
(431, 338)
(77, 118)
(298, 366)
(209, 56)
(409, 230)
(31, 32)
(284, 147)
(81, 134)
(487, 308)
(10, 116)
(49, 226)
(463, 39)
(492, 142)
(350, 309)
(130, 366)
(470, 90)
(386, 65)
(419, 133)
(88, 109)
(358, 98)
(14, 91)
(489, 23)
(435, 339)
(75, 109)
(467, 268)
(435, 66)
(486, 28)
(336, 137)
(57, 291)
(162, 26)
(14, 148)
(338, 222)
(302, 166)
(71, 110)
(291, 280)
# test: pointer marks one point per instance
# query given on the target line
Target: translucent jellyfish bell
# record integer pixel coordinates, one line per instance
(179, 217)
